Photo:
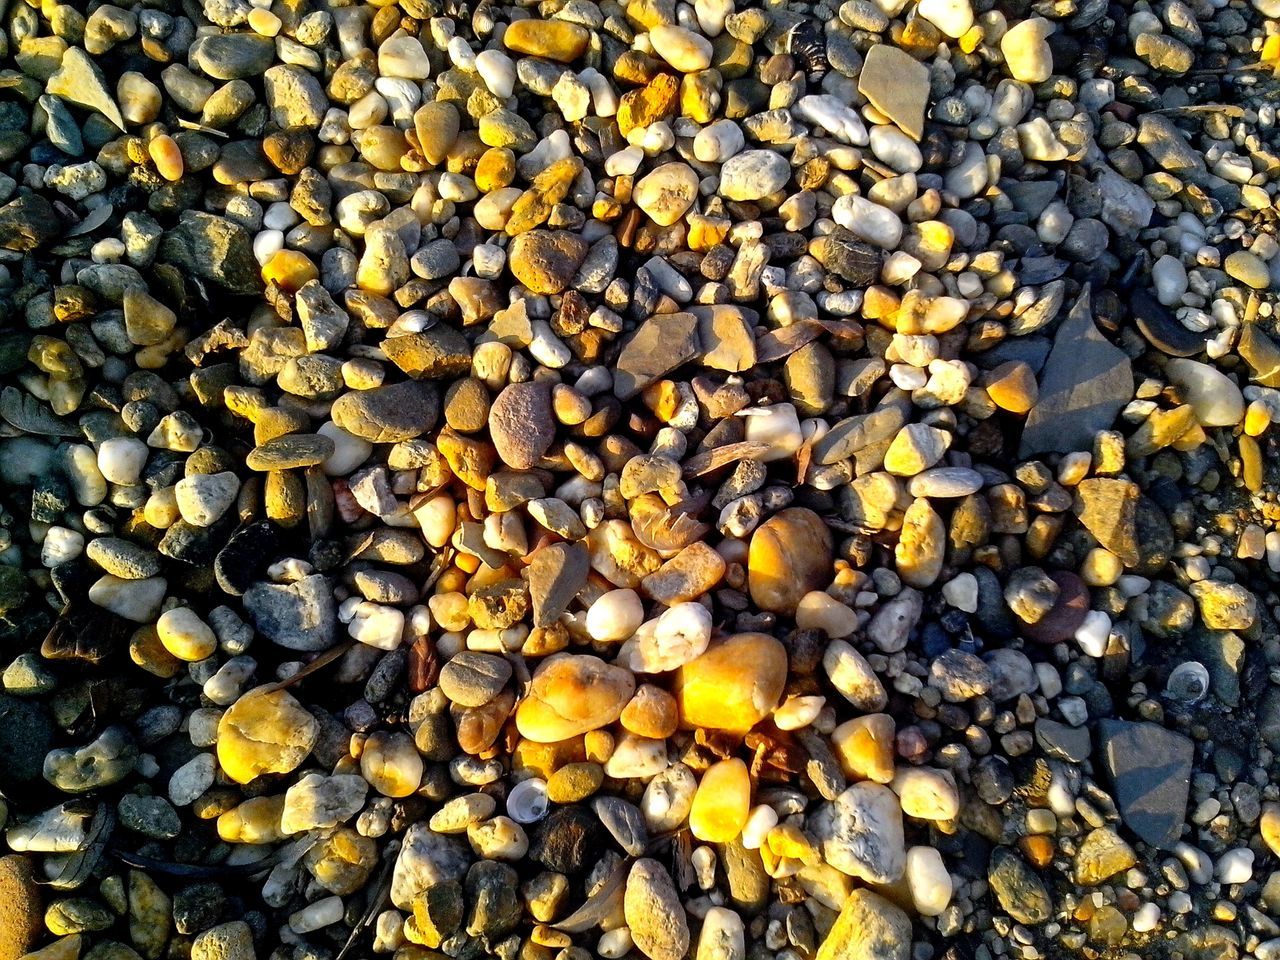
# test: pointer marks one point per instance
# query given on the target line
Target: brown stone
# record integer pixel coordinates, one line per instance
(790, 555)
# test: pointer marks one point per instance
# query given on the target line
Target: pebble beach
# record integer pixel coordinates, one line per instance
(639, 479)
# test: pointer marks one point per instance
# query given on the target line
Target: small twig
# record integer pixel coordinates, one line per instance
(319, 663)
(376, 902)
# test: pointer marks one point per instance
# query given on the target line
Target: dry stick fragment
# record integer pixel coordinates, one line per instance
(719, 457)
(319, 663)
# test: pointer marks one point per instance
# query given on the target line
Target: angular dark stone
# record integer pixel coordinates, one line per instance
(26, 735)
(215, 249)
(569, 841)
(1062, 741)
(1085, 382)
(28, 222)
(240, 564)
(1150, 769)
(1157, 324)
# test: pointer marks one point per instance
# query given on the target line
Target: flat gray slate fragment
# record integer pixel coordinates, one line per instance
(556, 573)
(1085, 382)
(1150, 769)
(1062, 741)
(659, 345)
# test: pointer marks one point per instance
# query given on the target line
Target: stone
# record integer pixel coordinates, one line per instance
(571, 695)
(861, 833)
(1021, 893)
(1026, 50)
(318, 802)
(21, 914)
(868, 927)
(753, 174)
(733, 685)
(227, 941)
(897, 85)
(1213, 395)
(556, 573)
(215, 249)
(790, 555)
(26, 734)
(522, 424)
(1108, 509)
(1084, 383)
(437, 353)
(1101, 855)
(557, 40)
(264, 731)
(297, 616)
(426, 858)
(666, 193)
(654, 912)
(1225, 606)
(726, 336)
(722, 802)
(80, 81)
(388, 414)
(101, 762)
(545, 261)
(1150, 769)
(659, 345)
(472, 679)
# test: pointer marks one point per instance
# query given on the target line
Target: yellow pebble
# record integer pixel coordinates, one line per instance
(723, 800)
(185, 635)
(290, 270)
(257, 820)
(496, 169)
(1269, 826)
(1256, 419)
(1250, 463)
(167, 157)
(264, 22)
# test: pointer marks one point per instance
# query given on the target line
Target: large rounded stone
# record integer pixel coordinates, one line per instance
(571, 695)
(734, 685)
(790, 555)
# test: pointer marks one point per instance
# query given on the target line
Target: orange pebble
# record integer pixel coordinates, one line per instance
(167, 157)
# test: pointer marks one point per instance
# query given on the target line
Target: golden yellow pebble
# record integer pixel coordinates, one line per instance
(167, 157)
(788, 840)
(1250, 463)
(1256, 419)
(1269, 827)
(290, 270)
(257, 820)
(722, 802)
(865, 747)
(146, 650)
(496, 169)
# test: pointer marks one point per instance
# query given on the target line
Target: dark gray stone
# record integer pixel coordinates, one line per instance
(1062, 741)
(1150, 769)
(1085, 382)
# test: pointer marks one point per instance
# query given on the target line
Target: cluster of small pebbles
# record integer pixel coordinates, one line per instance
(639, 479)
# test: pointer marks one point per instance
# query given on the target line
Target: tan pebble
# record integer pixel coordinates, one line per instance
(574, 782)
(1257, 419)
(265, 731)
(556, 40)
(1012, 386)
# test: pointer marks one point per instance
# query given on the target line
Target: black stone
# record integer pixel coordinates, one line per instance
(26, 735)
(569, 841)
(1150, 769)
(247, 554)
